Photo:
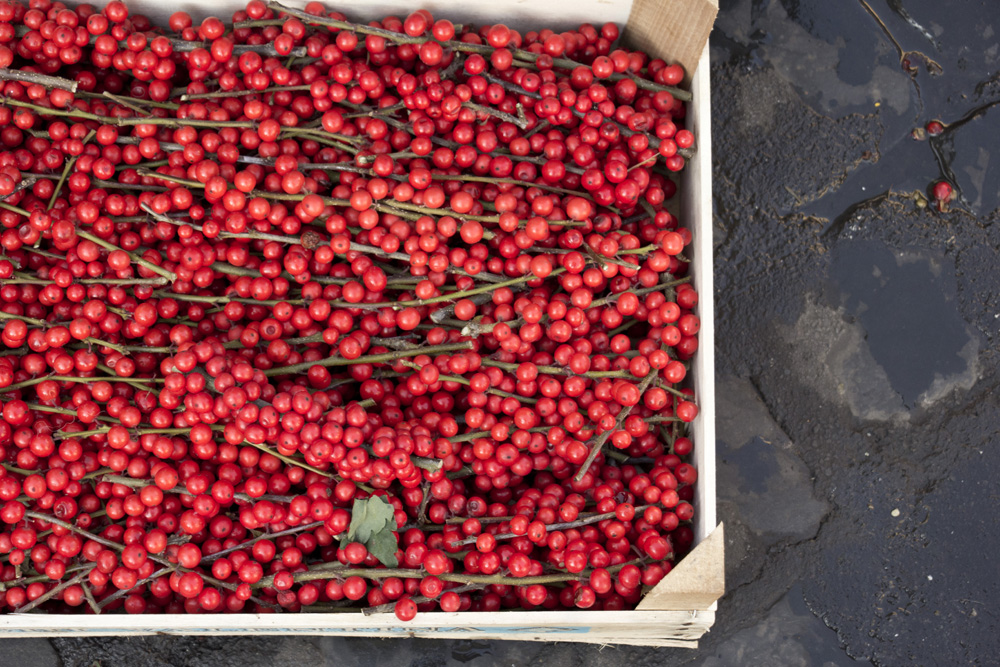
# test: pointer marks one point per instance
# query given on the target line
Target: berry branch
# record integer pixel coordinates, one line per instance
(24, 76)
(598, 444)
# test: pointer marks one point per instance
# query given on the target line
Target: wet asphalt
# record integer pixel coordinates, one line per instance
(858, 411)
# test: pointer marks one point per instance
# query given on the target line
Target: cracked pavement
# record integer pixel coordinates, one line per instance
(857, 363)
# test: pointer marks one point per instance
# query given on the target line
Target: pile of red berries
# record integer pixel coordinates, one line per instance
(302, 313)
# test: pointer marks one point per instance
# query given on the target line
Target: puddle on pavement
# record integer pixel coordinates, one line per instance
(788, 635)
(826, 650)
(848, 61)
(756, 463)
(905, 301)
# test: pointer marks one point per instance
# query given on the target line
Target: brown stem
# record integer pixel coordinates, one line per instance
(47, 111)
(147, 103)
(61, 378)
(453, 296)
(155, 268)
(645, 84)
(496, 113)
(420, 599)
(40, 79)
(66, 171)
(42, 323)
(186, 46)
(242, 497)
(396, 207)
(335, 166)
(661, 419)
(513, 181)
(24, 581)
(397, 343)
(242, 92)
(395, 37)
(128, 104)
(665, 386)
(137, 431)
(266, 536)
(585, 521)
(224, 299)
(371, 112)
(117, 595)
(461, 380)
(466, 437)
(279, 196)
(289, 460)
(598, 444)
(384, 358)
(223, 235)
(15, 209)
(373, 250)
(487, 328)
(48, 595)
(64, 411)
(89, 597)
(26, 182)
(339, 571)
(119, 547)
(76, 529)
(164, 121)
(559, 370)
(625, 327)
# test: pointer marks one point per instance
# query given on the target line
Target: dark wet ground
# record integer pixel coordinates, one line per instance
(858, 411)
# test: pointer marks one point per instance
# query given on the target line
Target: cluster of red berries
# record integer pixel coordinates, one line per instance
(300, 313)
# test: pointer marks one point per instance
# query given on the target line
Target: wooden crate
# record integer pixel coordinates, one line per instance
(681, 608)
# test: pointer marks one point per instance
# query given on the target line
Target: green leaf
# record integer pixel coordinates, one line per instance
(373, 521)
(383, 546)
(369, 517)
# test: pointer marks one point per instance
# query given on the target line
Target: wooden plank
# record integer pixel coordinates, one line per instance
(598, 624)
(600, 640)
(696, 201)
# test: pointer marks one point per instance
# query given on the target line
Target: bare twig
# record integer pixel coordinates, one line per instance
(26, 182)
(41, 79)
(599, 443)
(51, 593)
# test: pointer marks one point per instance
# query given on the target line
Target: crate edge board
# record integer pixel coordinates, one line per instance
(597, 640)
(619, 624)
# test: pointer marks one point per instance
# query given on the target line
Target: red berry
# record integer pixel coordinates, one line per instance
(942, 191)
(405, 609)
